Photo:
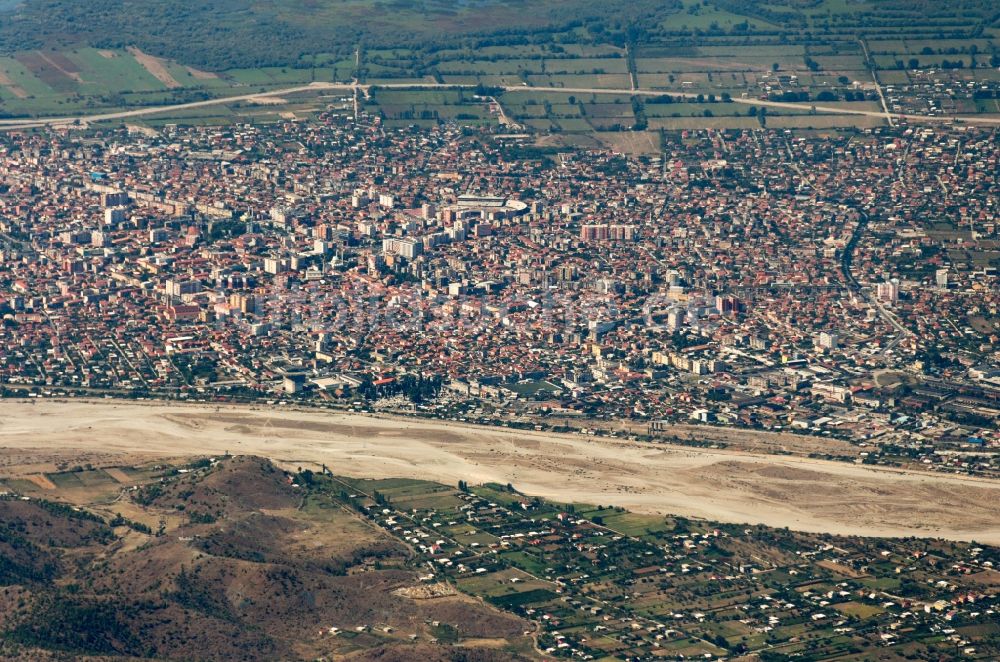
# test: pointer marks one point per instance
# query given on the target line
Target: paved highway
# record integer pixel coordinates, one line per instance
(156, 110)
(769, 104)
(352, 87)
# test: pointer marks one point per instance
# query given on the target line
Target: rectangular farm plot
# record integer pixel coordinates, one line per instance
(573, 124)
(496, 583)
(120, 476)
(678, 65)
(19, 81)
(108, 71)
(607, 65)
(610, 81)
(95, 478)
(822, 121)
(841, 62)
(688, 123)
(858, 610)
(476, 67)
(51, 71)
(65, 480)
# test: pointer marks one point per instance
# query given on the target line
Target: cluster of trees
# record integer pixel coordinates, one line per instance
(120, 520)
(417, 388)
(801, 96)
(701, 98)
(765, 12)
(914, 63)
(222, 34)
(640, 115)
(64, 622)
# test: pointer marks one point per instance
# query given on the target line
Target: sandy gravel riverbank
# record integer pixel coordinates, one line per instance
(801, 493)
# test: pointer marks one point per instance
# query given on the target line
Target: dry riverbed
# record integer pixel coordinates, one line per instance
(733, 486)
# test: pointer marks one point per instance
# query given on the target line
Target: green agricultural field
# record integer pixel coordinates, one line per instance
(697, 15)
(19, 82)
(574, 125)
(94, 478)
(21, 485)
(528, 562)
(614, 65)
(65, 480)
(400, 486)
(822, 121)
(105, 71)
(499, 583)
(634, 524)
(858, 610)
(89, 80)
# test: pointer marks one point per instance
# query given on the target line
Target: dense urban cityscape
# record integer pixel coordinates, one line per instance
(842, 285)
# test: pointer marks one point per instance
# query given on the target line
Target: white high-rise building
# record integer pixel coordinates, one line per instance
(827, 340)
(114, 216)
(888, 291)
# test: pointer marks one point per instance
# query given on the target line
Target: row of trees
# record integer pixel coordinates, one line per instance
(417, 388)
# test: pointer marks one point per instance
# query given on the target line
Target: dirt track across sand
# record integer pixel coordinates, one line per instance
(800, 493)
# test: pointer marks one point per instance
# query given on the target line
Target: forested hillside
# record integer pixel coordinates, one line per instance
(226, 34)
